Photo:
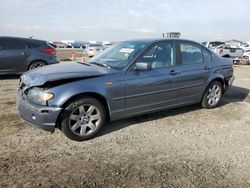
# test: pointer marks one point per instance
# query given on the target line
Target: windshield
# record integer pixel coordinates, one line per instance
(119, 55)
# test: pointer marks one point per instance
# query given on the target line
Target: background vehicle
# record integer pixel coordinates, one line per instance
(78, 45)
(246, 54)
(60, 45)
(129, 79)
(227, 51)
(93, 49)
(212, 44)
(245, 46)
(18, 55)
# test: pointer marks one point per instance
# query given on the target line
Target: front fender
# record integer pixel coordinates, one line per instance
(66, 91)
(112, 93)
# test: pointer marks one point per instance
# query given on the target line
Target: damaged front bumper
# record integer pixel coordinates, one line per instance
(39, 116)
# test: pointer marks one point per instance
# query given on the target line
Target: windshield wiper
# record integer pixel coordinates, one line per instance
(83, 63)
(100, 64)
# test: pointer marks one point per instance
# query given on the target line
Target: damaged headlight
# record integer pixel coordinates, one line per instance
(39, 96)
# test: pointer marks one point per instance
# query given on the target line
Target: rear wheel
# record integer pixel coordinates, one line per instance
(83, 118)
(37, 64)
(213, 95)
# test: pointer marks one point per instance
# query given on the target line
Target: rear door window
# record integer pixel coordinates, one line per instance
(14, 44)
(190, 53)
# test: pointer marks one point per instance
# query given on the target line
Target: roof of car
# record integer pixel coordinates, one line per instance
(159, 40)
(23, 38)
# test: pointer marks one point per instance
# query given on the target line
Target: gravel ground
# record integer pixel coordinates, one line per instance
(184, 147)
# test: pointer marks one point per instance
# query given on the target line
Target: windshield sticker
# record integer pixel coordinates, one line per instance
(126, 50)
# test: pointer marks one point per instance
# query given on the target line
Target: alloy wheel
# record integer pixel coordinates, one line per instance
(84, 120)
(214, 94)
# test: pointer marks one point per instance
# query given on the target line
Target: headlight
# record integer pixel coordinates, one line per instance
(39, 96)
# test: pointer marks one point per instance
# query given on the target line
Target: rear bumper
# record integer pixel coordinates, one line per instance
(53, 62)
(39, 116)
(229, 82)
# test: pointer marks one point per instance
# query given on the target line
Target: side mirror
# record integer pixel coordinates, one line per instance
(142, 66)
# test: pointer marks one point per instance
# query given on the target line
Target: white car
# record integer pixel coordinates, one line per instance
(227, 51)
(245, 46)
(212, 44)
(247, 54)
(93, 49)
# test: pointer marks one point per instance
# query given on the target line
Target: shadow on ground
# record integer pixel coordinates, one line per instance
(236, 94)
(9, 77)
(232, 95)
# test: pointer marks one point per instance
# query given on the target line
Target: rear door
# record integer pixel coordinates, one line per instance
(13, 56)
(195, 67)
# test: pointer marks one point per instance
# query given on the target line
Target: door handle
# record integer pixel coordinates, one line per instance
(24, 53)
(173, 72)
(207, 68)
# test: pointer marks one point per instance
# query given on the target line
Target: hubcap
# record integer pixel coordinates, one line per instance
(214, 95)
(84, 120)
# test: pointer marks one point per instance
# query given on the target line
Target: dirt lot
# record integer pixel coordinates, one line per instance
(185, 147)
(66, 53)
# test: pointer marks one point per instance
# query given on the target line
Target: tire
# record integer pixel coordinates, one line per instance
(83, 118)
(212, 95)
(36, 64)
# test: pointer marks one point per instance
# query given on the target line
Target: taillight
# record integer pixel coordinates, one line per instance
(49, 51)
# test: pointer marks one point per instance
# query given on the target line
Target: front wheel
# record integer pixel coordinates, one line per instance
(83, 118)
(212, 96)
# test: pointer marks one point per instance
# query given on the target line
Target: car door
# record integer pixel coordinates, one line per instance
(155, 88)
(13, 56)
(193, 71)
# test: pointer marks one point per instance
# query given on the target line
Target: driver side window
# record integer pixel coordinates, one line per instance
(159, 56)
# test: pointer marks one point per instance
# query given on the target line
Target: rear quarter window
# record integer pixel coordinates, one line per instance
(34, 43)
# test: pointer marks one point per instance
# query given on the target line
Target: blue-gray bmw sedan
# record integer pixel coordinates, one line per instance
(129, 79)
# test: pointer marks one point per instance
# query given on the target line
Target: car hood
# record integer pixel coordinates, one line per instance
(63, 71)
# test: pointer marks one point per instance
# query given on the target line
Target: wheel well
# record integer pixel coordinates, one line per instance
(37, 60)
(87, 94)
(219, 80)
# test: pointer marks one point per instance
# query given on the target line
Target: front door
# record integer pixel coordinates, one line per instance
(152, 89)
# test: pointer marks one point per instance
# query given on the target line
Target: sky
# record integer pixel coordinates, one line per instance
(116, 20)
